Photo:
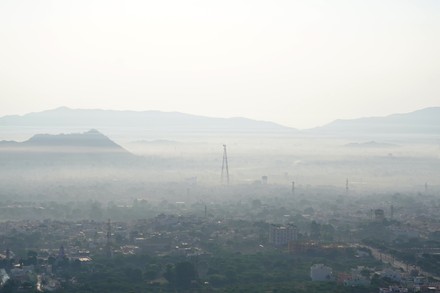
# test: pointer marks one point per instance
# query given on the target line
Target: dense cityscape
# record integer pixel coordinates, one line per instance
(293, 240)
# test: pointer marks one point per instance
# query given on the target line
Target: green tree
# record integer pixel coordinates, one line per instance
(181, 275)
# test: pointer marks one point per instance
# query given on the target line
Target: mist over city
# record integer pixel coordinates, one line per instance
(238, 146)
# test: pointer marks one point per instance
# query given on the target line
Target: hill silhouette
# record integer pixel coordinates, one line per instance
(152, 120)
(424, 121)
(90, 139)
(159, 124)
(88, 148)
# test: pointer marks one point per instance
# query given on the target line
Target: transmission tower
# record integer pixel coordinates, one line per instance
(225, 166)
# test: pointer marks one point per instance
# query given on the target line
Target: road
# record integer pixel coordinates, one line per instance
(398, 264)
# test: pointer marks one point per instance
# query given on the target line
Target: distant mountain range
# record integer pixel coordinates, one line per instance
(424, 122)
(421, 122)
(149, 120)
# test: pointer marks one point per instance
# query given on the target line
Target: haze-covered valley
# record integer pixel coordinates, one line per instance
(144, 197)
(219, 146)
(65, 154)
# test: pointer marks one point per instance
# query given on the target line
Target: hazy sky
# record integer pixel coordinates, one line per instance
(298, 63)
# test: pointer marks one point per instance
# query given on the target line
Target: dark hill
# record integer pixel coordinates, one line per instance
(91, 139)
(88, 148)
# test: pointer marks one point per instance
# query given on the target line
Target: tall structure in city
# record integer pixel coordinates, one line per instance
(293, 187)
(346, 187)
(281, 235)
(379, 215)
(225, 167)
(108, 246)
(61, 252)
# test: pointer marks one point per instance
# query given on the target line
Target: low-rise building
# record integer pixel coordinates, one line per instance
(391, 274)
(393, 289)
(356, 278)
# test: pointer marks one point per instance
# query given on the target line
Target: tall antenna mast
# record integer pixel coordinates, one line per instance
(225, 166)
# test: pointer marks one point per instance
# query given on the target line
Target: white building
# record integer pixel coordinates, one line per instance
(393, 289)
(356, 278)
(320, 272)
(4, 277)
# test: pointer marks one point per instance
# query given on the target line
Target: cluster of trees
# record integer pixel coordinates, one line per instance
(225, 271)
(324, 232)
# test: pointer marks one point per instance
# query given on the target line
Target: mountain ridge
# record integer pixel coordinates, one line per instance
(96, 118)
(422, 121)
